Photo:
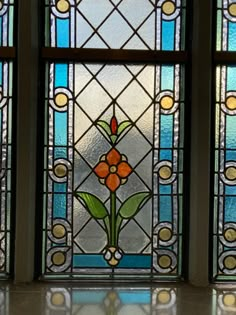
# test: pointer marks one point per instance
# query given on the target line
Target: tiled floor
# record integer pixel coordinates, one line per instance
(64, 299)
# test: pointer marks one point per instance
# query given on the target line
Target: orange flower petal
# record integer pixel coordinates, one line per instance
(113, 182)
(113, 157)
(102, 169)
(124, 169)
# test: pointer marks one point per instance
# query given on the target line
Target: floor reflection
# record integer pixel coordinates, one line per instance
(4, 301)
(224, 302)
(111, 301)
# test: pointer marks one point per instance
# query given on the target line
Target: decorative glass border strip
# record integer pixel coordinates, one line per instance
(162, 255)
(224, 226)
(6, 160)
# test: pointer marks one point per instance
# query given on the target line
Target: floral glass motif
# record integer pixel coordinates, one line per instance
(122, 24)
(226, 25)
(5, 154)
(113, 180)
(224, 228)
(6, 22)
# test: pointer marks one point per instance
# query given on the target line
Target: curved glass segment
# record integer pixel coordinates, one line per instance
(113, 182)
(112, 24)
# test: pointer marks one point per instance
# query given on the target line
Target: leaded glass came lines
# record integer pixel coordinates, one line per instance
(6, 22)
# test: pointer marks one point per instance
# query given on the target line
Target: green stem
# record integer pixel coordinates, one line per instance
(113, 219)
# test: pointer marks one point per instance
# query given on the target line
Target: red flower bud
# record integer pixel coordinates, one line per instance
(114, 125)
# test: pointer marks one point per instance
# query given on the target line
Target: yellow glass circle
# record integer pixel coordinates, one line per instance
(58, 258)
(63, 6)
(232, 9)
(60, 170)
(163, 297)
(165, 261)
(1, 5)
(61, 99)
(59, 231)
(231, 102)
(167, 102)
(165, 234)
(165, 172)
(113, 169)
(58, 299)
(230, 173)
(230, 235)
(229, 299)
(168, 7)
(230, 262)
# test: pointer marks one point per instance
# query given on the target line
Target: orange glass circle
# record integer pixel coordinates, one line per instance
(168, 7)
(164, 261)
(58, 231)
(163, 297)
(165, 234)
(61, 99)
(58, 299)
(230, 173)
(231, 102)
(63, 6)
(58, 258)
(165, 172)
(232, 9)
(230, 262)
(167, 102)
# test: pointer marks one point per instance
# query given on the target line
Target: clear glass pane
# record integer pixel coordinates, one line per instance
(125, 24)
(6, 157)
(113, 180)
(226, 25)
(225, 175)
(6, 22)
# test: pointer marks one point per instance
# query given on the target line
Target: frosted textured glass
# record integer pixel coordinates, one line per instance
(113, 188)
(225, 175)
(125, 24)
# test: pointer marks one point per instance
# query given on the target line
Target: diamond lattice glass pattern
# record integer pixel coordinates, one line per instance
(225, 174)
(113, 170)
(226, 25)
(6, 22)
(123, 24)
(5, 154)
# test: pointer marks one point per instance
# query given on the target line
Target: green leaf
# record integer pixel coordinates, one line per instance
(93, 205)
(113, 138)
(105, 126)
(123, 126)
(133, 204)
(119, 221)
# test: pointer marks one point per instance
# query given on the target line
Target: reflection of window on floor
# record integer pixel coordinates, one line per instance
(114, 140)
(111, 301)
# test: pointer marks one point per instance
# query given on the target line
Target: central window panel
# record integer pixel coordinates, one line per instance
(113, 171)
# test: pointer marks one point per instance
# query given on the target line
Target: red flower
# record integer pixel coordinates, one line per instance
(114, 125)
(113, 170)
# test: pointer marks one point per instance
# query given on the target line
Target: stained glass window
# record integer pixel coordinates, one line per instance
(114, 142)
(123, 24)
(224, 228)
(140, 301)
(6, 81)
